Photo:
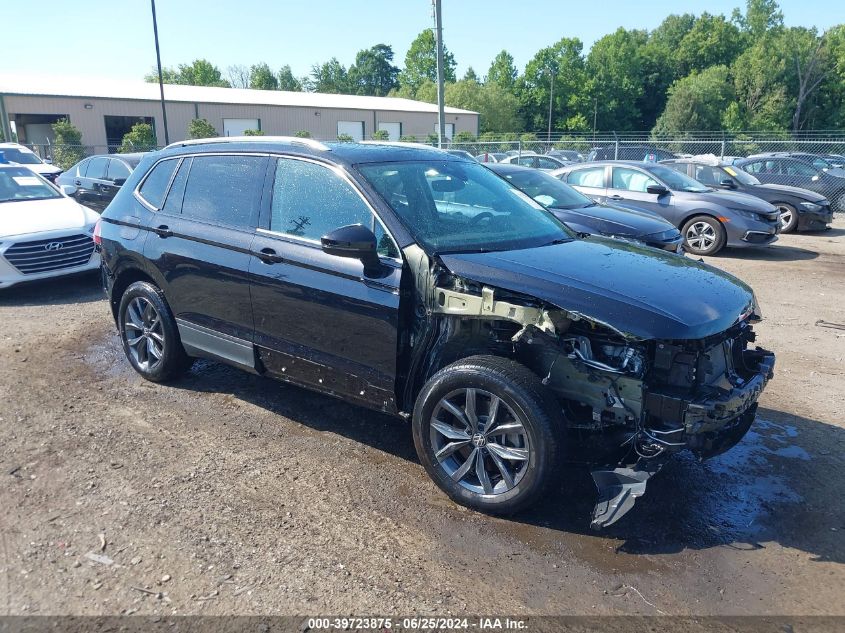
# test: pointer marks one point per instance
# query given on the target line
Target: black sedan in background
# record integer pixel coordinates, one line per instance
(98, 178)
(585, 216)
(783, 170)
(800, 209)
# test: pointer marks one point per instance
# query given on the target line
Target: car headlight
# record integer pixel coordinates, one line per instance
(751, 215)
(811, 206)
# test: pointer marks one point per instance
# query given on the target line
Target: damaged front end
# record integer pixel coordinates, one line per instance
(629, 402)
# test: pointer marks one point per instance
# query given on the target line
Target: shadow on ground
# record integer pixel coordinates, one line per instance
(81, 288)
(780, 484)
(774, 253)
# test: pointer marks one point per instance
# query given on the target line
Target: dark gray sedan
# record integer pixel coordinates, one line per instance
(584, 215)
(709, 220)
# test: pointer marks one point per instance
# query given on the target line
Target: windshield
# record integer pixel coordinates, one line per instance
(676, 180)
(548, 190)
(462, 207)
(20, 156)
(19, 183)
(742, 176)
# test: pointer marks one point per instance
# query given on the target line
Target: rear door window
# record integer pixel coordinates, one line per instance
(155, 185)
(97, 168)
(708, 175)
(225, 190)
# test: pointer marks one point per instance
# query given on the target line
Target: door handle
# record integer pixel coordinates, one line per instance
(269, 256)
(162, 231)
(78, 183)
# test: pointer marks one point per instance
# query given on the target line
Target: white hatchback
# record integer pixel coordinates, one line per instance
(43, 232)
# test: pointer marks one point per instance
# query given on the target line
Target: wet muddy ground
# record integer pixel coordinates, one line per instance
(229, 493)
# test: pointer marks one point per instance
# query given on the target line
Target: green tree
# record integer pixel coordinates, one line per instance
(253, 132)
(421, 62)
(201, 128)
(810, 63)
(381, 135)
(615, 67)
(373, 72)
(761, 17)
(330, 77)
(200, 72)
(498, 109)
(287, 81)
(464, 137)
(262, 78)
(759, 76)
(711, 41)
(502, 71)
(427, 91)
(140, 138)
(697, 102)
(470, 75)
(68, 149)
(566, 62)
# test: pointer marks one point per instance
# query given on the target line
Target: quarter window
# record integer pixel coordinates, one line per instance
(310, 200)
(173, 204)
(631, 180)
(155, 185)
(82, 167)
(593, 177)
(224, 190)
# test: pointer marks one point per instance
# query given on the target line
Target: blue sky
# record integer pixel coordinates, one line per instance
(113, 38)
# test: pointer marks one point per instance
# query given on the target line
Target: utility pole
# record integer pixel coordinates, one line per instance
(441, 118)
(551, 98)
(160, 78)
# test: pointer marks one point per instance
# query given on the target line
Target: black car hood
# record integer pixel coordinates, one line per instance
(612, 220)
(640, 292)
(812, 196)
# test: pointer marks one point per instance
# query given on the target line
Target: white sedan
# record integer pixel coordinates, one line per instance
(43, 232)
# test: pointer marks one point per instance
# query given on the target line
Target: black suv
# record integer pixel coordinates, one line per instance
(800, 209)
(421, 284)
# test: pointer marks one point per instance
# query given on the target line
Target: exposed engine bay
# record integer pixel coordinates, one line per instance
(629, 403)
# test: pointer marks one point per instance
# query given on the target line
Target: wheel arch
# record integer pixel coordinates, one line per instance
(698, 212)
(125, 278)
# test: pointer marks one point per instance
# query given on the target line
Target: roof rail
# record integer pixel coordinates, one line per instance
(292, 140)
(399, 144)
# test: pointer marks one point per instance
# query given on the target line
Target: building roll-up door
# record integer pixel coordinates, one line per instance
(237, 127)
(355, 129)
(394, 129)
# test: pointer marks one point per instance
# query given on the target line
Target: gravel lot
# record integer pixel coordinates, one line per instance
(229, 493)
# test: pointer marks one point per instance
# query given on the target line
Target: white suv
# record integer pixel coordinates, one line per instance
(17, 154)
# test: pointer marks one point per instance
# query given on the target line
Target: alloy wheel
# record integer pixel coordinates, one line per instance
(785, 217)
(479, 441)
(143, 331)
(701, 236)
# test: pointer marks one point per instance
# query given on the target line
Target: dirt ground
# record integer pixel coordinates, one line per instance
(229, 493)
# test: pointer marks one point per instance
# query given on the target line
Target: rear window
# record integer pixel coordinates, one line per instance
(225, 190)
(155, 185)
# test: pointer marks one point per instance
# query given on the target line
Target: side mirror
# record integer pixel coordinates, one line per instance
(47, 161)
(355, 241)
(727, 183)
(657, 190)
(68, 190)
(118, 182)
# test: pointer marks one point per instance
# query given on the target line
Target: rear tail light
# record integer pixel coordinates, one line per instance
(96, 235)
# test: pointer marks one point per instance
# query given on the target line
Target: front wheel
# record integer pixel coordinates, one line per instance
(149, 333)
(489, 434)
(788, 217)
(703, 235)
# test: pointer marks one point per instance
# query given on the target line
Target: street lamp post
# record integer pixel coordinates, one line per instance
(160, 78)
(551, 98)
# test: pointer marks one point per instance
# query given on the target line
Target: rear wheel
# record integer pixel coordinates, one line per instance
(704, 235)
(149, 333)
(788, 217)
(489, 434)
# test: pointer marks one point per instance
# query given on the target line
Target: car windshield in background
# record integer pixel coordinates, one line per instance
(742, 176)
(676, 180)
(463, 207)
(548, 190)
(19, 183)
(15, 155)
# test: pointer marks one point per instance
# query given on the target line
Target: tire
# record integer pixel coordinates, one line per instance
(703, 235)
(788, 217)
(526, 460)
(149, 334)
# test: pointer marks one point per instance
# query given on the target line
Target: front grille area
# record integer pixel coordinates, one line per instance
(53, 254)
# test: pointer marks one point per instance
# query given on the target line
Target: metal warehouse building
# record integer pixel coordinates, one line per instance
(105, 110)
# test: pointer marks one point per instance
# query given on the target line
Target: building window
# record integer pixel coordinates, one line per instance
(118, 126)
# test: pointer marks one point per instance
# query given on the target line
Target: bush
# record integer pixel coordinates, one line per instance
(408, 139)
(303, 134)
(345, 138)
(140, 138)
(201, 128)
(68, 148)
(432, 139)
(464, 137)
(253, 133)
(381, 135)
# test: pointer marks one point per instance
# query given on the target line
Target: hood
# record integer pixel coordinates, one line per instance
(42, 168)
(615, 220)
(640, 292)
(734, 200)
(812, 196)
(34, 216)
